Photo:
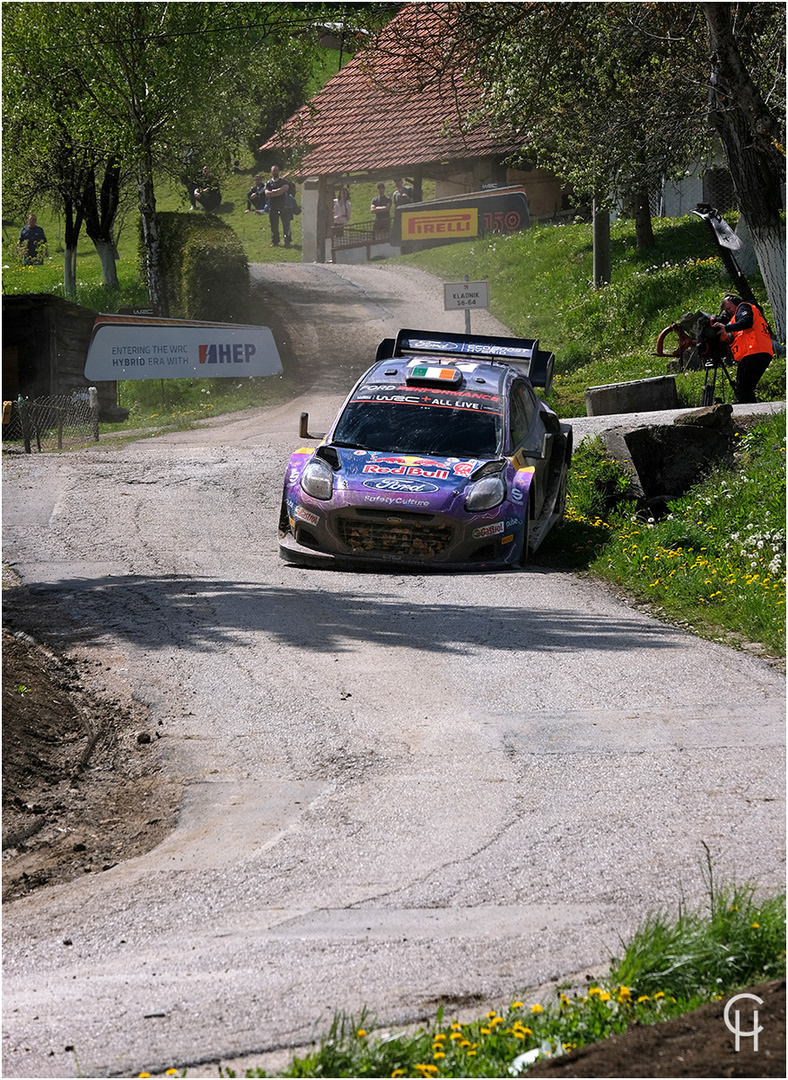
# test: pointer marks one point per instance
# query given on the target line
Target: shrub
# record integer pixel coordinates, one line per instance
(205, 268)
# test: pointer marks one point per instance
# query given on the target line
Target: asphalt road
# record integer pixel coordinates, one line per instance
(401, 790)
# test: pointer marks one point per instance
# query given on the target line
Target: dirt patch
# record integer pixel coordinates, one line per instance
(82, 781)
(698, 1044)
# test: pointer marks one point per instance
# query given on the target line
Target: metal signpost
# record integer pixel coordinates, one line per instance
(464, 295)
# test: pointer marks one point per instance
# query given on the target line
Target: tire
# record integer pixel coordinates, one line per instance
(525, 554)
(284, 520)
(560, 502)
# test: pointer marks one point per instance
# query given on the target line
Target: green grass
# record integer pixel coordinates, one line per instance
(673, 963)
(540, 287)
(715, 563)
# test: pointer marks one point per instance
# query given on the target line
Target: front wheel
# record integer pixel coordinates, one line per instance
(525, 553)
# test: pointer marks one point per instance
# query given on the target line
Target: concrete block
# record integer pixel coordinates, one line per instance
(641, 395)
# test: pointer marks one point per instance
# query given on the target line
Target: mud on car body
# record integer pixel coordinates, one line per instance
(442, 455)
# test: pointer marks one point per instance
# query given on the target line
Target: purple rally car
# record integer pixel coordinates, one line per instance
(441, 456)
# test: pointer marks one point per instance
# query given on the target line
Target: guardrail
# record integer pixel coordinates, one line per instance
(360, 234)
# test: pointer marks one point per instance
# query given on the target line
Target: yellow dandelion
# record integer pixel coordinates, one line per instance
(398, 1072)
(517, 1004)
(438, 1056)
(537, 1008)
(439, 1038)
(756, 926)
(361, 1033)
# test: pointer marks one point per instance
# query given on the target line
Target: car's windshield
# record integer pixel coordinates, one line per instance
(454, 428)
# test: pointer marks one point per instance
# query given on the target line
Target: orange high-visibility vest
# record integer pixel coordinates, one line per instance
(755, 340)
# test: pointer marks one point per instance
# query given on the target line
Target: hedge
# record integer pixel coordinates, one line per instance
(205, 269)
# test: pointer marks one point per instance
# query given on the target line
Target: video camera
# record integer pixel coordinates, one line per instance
(711, 348)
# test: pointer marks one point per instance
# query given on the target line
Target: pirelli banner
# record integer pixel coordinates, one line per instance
(465, 217)
(145, 347)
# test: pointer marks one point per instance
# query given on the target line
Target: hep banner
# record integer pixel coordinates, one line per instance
(126, 347)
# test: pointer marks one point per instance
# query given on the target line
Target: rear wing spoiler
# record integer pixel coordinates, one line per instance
(537, 364)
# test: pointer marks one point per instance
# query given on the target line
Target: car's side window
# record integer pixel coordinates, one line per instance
(523, 409)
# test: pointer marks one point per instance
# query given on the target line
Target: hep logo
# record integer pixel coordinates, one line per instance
(237, 353)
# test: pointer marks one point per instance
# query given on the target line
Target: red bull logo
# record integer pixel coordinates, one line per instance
(407, 459)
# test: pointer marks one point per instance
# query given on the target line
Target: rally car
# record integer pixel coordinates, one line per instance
(442, 455)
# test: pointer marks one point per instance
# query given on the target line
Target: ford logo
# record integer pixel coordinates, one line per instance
(395, 484)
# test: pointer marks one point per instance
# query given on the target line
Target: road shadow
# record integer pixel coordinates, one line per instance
(205, 615)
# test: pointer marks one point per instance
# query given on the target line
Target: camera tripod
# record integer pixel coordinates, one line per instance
(711, 367)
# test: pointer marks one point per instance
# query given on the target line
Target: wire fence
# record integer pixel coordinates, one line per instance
(50, 423)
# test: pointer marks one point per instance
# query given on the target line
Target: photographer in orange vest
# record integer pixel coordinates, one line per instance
(747, 333)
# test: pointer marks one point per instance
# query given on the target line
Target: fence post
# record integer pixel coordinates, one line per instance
(94, 411)
(25, 421)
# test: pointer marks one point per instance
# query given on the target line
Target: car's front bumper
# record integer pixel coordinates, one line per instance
(356, 535)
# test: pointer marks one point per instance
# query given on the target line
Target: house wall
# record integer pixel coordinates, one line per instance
(544, 190)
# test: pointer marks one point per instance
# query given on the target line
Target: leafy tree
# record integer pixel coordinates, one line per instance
(141, 83)
(43, 160)
(752, 135)
(614, 97)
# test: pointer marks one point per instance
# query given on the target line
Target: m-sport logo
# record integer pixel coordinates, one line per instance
(411, 486)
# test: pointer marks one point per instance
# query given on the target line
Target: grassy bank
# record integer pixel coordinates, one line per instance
(671, 965)
(540, 287)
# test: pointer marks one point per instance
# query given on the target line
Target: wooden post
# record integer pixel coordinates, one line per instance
(25, 421)
(601, 257)
(94, 411)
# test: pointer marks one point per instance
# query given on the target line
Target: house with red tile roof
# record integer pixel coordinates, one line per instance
(392, 111)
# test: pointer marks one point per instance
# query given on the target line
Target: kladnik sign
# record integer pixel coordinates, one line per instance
(138, 347)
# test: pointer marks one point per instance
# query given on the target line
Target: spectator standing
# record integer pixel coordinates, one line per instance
(381, 211)
(33, 243)
(256, 197)
(342, 211)
(750, 342)
(277, 189)
(402, 195)
(208, 194)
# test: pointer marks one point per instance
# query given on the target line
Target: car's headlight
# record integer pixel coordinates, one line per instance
(317, 479)
(485, 494)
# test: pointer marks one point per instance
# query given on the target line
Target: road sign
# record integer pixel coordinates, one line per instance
(462, 295)
(133, 347)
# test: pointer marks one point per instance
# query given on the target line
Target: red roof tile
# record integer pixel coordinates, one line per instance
(390, 107)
